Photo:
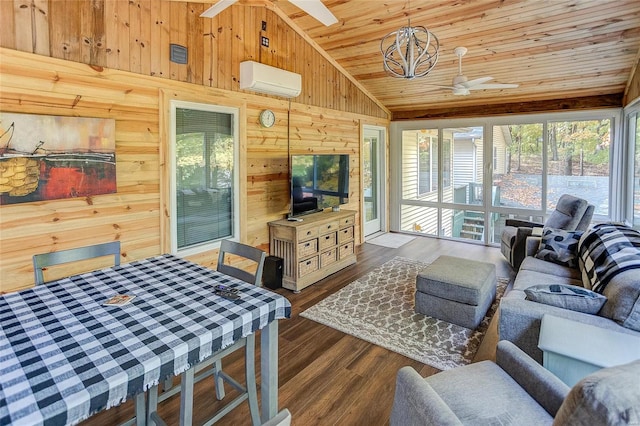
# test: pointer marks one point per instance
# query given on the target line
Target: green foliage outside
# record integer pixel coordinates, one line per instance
(574, 147)
(201, 165)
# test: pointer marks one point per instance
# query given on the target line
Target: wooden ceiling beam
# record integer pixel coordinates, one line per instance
(550, 105)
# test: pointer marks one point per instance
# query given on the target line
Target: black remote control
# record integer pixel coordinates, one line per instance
(231, 295)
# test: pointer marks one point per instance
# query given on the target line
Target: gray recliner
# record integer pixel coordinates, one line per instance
(515, 390)
(571, 214)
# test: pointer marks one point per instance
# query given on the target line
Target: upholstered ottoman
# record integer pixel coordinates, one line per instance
(456, 290)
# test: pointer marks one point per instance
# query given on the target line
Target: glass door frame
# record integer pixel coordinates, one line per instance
(381, 183)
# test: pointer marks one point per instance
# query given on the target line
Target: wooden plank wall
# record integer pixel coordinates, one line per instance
(135, 35)
(31, 83)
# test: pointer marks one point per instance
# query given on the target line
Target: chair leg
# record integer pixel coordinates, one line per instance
(218, 380)
(250, 372)
(167, 385)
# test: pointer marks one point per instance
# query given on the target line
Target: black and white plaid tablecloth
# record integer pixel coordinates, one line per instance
(64, 355)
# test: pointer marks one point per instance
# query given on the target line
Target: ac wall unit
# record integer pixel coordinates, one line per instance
(270, 80)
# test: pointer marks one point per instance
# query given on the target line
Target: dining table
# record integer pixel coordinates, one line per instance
(65, 355)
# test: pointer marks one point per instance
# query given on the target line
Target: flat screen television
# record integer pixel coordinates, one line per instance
(318, 181)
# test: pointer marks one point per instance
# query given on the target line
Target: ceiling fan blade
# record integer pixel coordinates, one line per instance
(494, 86)
(217, 8)
(316, 9)
(439, 86)
(471, 83)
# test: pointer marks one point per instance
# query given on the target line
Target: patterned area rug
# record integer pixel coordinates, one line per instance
(379, 308)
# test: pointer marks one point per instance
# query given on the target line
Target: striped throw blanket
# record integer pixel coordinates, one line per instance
(605, 251)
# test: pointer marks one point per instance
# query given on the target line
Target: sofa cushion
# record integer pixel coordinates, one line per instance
(507, 403)
(567, 297)
(528, 278)
(607, 397)
(559, 246)
(623, 294)
(531, 263)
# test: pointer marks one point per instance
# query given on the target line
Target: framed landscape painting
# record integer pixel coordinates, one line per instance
(46, 157)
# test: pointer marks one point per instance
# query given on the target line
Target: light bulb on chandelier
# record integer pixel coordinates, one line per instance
(410, 51)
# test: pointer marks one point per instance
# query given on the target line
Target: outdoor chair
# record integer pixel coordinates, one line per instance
(203, 370)
(42, 261)
(516, 390)
(571, 214)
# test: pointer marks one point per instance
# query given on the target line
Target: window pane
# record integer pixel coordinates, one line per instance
(578, 162)
(419, 219)
(419, 165)
(517, 166)
(467, 224)
(204, 176)
(467, 163)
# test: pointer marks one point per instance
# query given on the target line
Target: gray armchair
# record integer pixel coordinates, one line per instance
(515, 390)
(571, 214)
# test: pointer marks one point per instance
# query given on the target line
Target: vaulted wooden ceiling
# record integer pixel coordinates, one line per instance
(555, 49)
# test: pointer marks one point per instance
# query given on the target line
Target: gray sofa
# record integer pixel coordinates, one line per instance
(520, 319)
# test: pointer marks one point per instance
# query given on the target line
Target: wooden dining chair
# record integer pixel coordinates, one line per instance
(244, 253)
(41, 261)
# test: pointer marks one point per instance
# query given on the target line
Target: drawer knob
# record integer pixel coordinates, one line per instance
(308, 232)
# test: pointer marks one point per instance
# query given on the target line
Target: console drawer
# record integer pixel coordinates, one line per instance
(308, 248)
(307, 233)
(346, 250)
(345, 234)
(326, 241)
(328, 257)
(307, 266)
(351, 220)
(328, 227)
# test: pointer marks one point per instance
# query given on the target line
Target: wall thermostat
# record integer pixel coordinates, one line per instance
(267, 118)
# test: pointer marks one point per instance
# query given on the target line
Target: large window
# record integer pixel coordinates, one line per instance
(633, 135)
(530, 162)
(204, 178)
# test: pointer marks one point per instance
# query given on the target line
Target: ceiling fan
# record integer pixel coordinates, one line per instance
(463, 86)
(315, 8)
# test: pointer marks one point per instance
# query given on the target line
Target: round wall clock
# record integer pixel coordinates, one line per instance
(267, 118)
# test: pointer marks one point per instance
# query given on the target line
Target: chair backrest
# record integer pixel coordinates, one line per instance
(242, 250)
(568, 213)
(43, 260)
(586, 218)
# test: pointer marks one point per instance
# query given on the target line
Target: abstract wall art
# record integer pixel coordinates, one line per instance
(45, 157)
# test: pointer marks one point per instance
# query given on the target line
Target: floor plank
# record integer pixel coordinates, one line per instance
(327, 377)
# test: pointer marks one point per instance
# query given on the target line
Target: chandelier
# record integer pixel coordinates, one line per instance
(410, 52)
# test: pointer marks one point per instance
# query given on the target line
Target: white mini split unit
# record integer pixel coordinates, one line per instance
(270, 80)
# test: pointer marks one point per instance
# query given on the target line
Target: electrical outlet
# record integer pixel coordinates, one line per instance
(264, 25)
(264, 41)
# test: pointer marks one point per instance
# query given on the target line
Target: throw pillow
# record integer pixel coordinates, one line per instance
(566, 296)
(607, 397)
(559, 246)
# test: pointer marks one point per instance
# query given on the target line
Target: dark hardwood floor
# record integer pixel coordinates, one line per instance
(327, 377)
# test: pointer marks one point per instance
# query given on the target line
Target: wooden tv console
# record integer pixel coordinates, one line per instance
(321, 244)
